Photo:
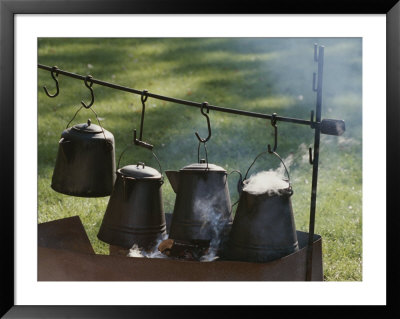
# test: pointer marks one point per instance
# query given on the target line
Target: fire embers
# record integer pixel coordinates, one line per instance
(149, 251)
(188, 250)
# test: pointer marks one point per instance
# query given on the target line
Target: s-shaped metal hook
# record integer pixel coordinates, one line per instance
(139, 141)
(53, 69)
(204, 140)
(88, 78)
(273, 123)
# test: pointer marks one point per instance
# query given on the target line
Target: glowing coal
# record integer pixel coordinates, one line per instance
(152, 252)
(135, 251)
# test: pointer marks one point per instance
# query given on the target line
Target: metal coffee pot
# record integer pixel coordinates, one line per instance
(135, 211)
(202, 207)
(263, 228)
(85, 164)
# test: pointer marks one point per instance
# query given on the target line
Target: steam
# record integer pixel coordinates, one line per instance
(289, 160)
(270, 182)
(273, 181)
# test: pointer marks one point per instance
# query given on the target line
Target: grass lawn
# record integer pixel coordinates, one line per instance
(257, 74)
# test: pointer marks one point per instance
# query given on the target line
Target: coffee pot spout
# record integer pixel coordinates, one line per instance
(173, 177)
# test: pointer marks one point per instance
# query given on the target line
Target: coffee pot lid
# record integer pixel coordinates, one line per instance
(87, 127)
(202, 166)
(140, 171)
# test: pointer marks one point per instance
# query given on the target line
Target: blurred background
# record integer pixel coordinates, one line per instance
(263, 75)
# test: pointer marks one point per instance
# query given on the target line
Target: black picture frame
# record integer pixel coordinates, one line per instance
(8, 10)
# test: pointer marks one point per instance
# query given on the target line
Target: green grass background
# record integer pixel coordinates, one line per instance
(257, 74)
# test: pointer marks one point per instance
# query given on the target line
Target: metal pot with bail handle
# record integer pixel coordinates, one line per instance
(202, 204)
(263, 228)
(135, 211)
(202, 209)
(85, 164)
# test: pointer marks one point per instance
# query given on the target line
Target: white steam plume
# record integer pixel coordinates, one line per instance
(273, 181)
(270, 182)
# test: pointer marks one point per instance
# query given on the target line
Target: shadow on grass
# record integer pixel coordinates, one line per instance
(262, 75)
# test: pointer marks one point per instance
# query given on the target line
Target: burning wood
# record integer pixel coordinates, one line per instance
(188, 250)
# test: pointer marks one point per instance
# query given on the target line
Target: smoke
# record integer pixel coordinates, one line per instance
(344, 141)
(214, 224)
(135, 251)
(303, 153)
(152, 252)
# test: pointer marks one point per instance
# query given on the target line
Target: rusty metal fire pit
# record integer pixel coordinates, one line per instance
(58, 263)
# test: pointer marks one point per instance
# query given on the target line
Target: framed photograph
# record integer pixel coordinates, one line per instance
(70, 62)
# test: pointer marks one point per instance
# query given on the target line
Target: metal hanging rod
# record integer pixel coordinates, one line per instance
(321, 126)
(56, 70)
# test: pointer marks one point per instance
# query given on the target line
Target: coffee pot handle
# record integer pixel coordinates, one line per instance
(141, 163)
(89, 83)
(276, 154)
(240, 181)
(239, 184)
